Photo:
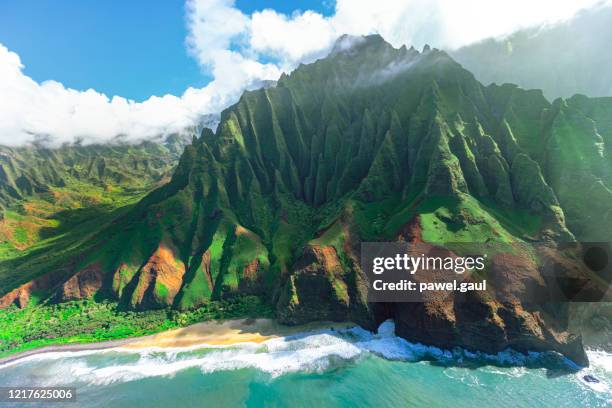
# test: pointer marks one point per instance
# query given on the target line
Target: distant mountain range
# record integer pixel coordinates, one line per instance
(371, 143)
(562, 59)
(36, 169)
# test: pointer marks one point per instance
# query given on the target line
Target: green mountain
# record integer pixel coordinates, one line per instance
(52, 196)
(371, 143)
(34, 170)
(562, 59)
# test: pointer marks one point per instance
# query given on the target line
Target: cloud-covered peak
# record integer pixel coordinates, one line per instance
(240, 50)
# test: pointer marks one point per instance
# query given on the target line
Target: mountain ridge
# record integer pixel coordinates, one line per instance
(370, 143)
(28, 170)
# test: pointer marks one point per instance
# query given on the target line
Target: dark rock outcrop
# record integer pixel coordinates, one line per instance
(315, 290)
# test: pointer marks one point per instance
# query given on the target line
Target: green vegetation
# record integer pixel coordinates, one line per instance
(41, 233)
(276, 202)
(86, 321)
(53, 201)
(76, 173)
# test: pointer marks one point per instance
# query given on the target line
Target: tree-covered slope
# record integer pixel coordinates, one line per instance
(52, 197)
(31, 170)
(370, 143)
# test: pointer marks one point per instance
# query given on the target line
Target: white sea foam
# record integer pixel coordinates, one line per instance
(55, 355)
(600, 360)
(601, 369)
(308, 352)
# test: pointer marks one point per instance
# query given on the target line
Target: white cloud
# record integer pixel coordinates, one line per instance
(289, 39)
(240, 50)
(31, 110)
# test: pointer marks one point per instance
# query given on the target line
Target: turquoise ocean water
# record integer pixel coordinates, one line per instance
(348, 368)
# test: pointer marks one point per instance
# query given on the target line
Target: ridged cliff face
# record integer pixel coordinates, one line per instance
(370, 143)
(28, 171)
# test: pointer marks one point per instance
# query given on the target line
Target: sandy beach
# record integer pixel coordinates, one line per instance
(228, 332)
(214, 332)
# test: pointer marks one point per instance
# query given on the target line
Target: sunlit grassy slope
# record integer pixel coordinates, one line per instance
(370, 143)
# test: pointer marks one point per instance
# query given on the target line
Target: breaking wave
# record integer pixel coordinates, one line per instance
(308, 352)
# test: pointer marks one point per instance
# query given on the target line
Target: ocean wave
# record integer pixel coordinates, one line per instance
(54, 355)
(600, 369)
(315, 351)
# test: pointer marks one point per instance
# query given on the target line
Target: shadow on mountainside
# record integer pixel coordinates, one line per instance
(60, 247)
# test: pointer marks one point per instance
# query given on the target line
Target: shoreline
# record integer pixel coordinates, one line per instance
(209, 333)
(98, 345)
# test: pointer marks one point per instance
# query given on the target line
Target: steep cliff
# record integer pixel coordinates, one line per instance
(370, 143)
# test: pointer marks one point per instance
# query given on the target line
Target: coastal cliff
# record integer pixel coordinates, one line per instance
(371, 143)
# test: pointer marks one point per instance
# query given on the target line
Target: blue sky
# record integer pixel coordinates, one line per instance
(92, 70)
(132, 48)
